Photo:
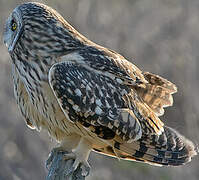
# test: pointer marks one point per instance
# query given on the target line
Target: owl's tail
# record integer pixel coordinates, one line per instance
(168, 149)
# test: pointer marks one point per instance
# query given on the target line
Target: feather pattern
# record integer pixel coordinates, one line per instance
(81, 91)
(168, 149)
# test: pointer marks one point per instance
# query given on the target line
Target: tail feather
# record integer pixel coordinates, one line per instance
(168, 149)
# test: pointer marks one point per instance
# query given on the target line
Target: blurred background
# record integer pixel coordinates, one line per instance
(160, 36)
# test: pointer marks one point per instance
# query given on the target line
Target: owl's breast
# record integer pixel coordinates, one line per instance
(40, 108)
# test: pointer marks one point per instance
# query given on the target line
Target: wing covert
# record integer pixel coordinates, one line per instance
(107, 62)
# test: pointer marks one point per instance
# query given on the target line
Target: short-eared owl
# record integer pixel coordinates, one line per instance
(86, 96)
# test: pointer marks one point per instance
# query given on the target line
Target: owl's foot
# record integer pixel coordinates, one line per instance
(66, 146)
(80, 155)
(60, 158)
(80, 161)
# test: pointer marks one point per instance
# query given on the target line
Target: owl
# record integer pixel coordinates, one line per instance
(88, 97)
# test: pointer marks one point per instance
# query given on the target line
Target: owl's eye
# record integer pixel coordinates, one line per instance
(13, 25)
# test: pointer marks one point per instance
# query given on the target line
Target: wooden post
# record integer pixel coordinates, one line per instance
(60, 169)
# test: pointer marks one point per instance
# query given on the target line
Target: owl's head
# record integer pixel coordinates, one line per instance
(13, 29)
(37, 29)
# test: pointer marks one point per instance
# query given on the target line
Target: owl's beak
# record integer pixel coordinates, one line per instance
(7, 36)
(8, 44)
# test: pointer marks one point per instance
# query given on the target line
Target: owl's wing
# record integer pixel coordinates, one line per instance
(101, 104)
(154, 90)
(157, 93)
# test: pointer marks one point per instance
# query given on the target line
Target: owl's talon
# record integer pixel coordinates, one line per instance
(69, 156)
(85, 167)
(79, 162)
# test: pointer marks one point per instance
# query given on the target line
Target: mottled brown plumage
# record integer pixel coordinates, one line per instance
(89, 97)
